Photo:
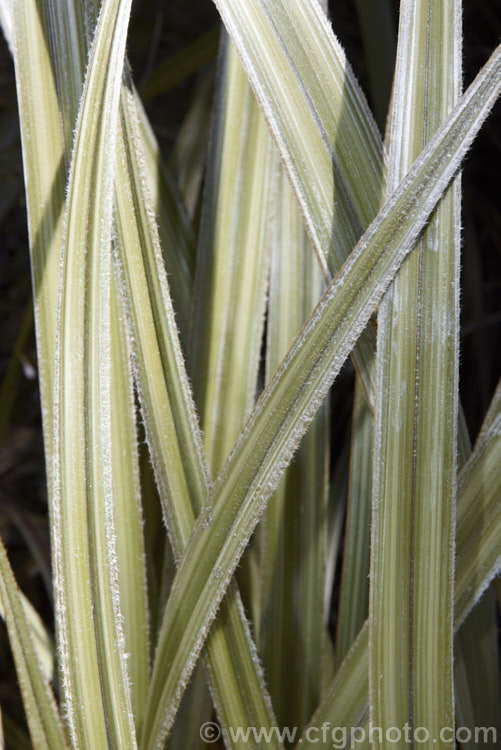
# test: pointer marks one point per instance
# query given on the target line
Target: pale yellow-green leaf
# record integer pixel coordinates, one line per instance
(476, 674)
(47, 148)
(293, 531)
(303, 29)
(45, 177)
(127, 513)
(95, 682)
(309, 96)
(71, 34)
(170, 420)
(232, 261)
(232, 271)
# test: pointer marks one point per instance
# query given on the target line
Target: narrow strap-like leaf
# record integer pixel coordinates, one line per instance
(321, 124)
(45, 177)
(48, 96)
(170, 421)
(346, 701)
(42, 642)
(481, 516)
(232, 261)
(476, 673)
(308, 110)
(293, 530)
(60, 35)
(187, 160)
(127, 512)
(150, 161)
(181, 65)
(174, 228)
(69, 38)
(354, 595)
(71, 27)
(415, 440)
(41, 711)
(92, 644)
(232, 268)
(173, 225)
(172, 432)
(290, 401)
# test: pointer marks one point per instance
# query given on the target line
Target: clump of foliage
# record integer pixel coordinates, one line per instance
(231, 547)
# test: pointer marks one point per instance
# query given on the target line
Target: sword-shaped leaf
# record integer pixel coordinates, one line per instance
(415, 438)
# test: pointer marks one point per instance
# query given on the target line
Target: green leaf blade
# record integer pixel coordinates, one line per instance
(233, 262)
(44, 721)
(412, 548)
(293, 530)
(347, 700)
(354, 595)
(478, 517)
